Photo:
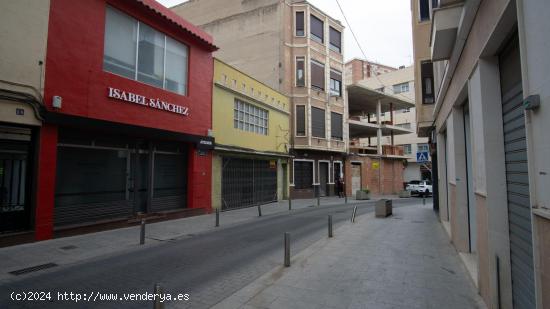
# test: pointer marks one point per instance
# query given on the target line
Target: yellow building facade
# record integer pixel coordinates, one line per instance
(250, 124)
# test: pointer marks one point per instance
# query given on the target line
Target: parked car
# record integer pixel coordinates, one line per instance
(420, 187)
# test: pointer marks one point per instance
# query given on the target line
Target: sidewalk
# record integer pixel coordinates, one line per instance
(403, 261)
(69, 250)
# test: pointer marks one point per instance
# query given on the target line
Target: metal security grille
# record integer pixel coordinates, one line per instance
(247, 182)
(517, 180)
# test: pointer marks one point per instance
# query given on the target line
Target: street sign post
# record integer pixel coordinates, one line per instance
(422, 157)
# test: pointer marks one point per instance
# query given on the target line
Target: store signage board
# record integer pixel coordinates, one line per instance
(155, 103)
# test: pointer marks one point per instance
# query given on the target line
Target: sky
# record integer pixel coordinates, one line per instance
(382, 27)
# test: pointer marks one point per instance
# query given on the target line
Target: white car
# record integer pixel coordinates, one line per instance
(420, 187)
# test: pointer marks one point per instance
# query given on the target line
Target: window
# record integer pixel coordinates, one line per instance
(381, 89)
(335, 83)
(424, 10)
(300, 120)
(161, 60)
(300, 72)
(399, 88)
(300, 24)
(407, 149)
(407, 110)
(316, 28)
(248, 117)
(406, 125)
(335, 40)
(336, 126)
(317, 122)
(423, 148)
(427, 74)
(303, 174)
(317, 75)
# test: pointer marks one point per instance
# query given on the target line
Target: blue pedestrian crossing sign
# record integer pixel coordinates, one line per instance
(422, 157)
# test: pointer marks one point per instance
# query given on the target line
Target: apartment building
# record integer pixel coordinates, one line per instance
(487, 118)
(358, 69)
(400, 83)
(296, 49)
(250, 161)
(105, 115)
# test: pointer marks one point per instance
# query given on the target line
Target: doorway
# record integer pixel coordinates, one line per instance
(355, 178)
(15, 175)
(323, 178)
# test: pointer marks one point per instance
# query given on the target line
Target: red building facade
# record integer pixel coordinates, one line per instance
(119, 138)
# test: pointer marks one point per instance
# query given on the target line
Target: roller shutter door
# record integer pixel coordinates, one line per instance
(517, 180)
(247, 182)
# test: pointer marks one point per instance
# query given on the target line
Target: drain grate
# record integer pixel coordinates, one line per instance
(69, 247)
(32, 269)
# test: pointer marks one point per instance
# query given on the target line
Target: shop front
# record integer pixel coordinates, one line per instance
(126, 131)
(316, 174)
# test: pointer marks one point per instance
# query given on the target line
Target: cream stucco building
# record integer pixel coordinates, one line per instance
(482, 97)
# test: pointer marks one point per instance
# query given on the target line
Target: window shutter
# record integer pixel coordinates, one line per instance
(336, 125)
(335, 39)
(317, 122)
(300, 120)
(316, 26)
(336, 75)
(318, 75)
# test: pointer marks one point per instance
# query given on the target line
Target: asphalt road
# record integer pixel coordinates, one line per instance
(208, 267)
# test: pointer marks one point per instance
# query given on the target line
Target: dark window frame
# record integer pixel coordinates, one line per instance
(300, 127)
(336, 129)
(335, 80)
(300, 82)
(314, 77)
(318, 126)
(313, 31)
(332, 42)
(300, 32)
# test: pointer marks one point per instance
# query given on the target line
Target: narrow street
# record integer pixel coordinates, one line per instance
(208, 266)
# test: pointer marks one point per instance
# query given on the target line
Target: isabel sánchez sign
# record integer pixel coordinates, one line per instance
(145, 101)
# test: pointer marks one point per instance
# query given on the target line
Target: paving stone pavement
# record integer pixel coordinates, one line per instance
(403, 261)
(89, 246)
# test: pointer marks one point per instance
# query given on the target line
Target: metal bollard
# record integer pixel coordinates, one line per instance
(353, 214)
(423, 200)
(259, 210)
(318, 200)
(346, 198)
(157, 300)
(289, 204)
(287, 249)
(330, 226)
(142, 233)
(217, 217)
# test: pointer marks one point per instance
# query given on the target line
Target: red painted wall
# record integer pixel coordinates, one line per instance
(74, 71)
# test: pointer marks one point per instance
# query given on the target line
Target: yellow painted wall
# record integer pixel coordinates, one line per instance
(229, 83)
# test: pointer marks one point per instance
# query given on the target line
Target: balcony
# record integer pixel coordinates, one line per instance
(445, 23)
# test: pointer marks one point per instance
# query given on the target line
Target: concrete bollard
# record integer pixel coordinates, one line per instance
(259, 210)
(157, 300)
(217, 217)
(142, 232)
(287, 249)
(330, 226)
(353, 214)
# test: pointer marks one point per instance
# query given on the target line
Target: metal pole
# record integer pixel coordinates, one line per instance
(423, 200)
(353, 214)
(346, 198)
(289, 203)
(259, 210)
(287, 249)
(217, 217)
(158, 292)
(329, 226)
(142, 232)
(318, 195)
